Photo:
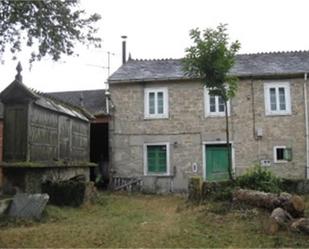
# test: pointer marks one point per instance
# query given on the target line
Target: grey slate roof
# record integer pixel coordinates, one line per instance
(246, 65)
(91, 100)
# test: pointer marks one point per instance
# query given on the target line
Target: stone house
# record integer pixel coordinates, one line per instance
(166, 128)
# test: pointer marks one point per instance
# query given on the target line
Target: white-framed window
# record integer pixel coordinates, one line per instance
(214, 105)
(156, 102)
(156, 159)
(277, 98)
(279, 154)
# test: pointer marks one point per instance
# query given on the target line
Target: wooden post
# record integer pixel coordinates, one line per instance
(1, 177)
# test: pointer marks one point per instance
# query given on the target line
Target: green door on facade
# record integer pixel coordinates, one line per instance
(216, 162)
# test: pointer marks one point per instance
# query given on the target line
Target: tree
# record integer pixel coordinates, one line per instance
(49, 27)
(210, 60)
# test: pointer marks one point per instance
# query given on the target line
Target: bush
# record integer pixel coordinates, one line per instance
(217, 191)
(195, 189)
(258, 178)
(65, 193)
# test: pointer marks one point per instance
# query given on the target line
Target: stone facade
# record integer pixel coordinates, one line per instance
(187, 130)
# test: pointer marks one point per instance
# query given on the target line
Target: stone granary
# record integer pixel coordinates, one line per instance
(167, 128)
(44, 138)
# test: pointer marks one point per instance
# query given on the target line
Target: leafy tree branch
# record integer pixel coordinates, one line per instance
(49, 27)
(210, 60)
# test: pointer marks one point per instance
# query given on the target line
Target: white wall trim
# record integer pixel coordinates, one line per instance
(204, 144)
(168, 171)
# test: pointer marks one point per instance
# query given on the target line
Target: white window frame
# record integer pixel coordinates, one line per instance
(147, 91)
(167, 173)
(277, 85)
(275, 154)
(208, 113)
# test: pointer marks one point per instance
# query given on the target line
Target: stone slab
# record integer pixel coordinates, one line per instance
(28, 205)
(4, 205)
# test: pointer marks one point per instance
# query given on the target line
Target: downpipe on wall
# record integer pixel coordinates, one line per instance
(306, 124)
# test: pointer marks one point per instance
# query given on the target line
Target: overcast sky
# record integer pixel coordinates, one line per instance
(160, 29)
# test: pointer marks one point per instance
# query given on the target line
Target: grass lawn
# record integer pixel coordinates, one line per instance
(121, 220)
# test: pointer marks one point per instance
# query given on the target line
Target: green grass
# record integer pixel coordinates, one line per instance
(120, 220)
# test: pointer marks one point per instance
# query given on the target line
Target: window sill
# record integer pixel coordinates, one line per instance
(270, 114)
(215, 116)
(281, 162)
(155, 117)
(158, 175)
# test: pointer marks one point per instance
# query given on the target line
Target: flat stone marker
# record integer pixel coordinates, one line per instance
(4, 205)
(28, 205)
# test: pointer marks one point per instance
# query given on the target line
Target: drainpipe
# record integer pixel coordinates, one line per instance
(107, 96)
(306, 124)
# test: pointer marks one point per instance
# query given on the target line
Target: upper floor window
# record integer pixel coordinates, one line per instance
(156, 102)
(277, 98)
(214, 105)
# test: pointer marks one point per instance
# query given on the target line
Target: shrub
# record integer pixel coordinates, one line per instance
(258, 178)
(218, 191)
(65, 193)
(195, 189)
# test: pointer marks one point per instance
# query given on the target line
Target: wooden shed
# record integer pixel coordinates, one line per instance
(43, 132)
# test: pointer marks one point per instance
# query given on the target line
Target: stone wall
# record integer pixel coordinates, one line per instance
(187, 130)
(29, 180)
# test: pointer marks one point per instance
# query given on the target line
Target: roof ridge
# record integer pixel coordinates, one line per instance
(240, 54)
(75, 91)
(156, 59)
(275, 52)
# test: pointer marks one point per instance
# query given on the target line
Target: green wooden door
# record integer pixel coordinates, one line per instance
(216, 163)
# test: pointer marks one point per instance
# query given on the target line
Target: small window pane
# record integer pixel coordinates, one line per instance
(221, 104)
(160, 102)
(280, 154)
(282, 101)
(156, 158)
(212, 103)
(273, 103)
(152, 103)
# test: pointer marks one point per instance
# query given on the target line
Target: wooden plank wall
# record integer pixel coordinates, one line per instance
(55, 136)
(43, 137)
(15, 132)
(80, 140)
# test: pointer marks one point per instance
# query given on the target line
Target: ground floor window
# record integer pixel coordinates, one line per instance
(281, 154)
(156, 159)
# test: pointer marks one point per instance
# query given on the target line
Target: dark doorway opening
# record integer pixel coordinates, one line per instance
(99, 153)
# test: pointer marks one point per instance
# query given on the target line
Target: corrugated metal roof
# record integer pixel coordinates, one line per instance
(58, 105)
(246, 65)
(17, 90)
